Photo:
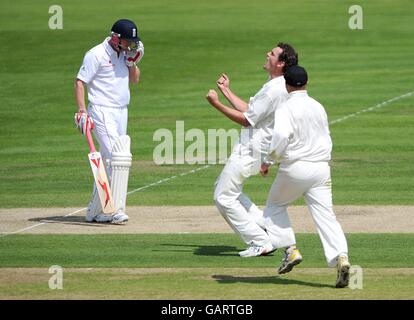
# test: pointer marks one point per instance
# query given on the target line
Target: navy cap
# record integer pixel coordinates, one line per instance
(296, 76)
(126, 30)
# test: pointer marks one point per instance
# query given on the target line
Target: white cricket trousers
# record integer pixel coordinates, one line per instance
(110, 123)
(313, 180)
(243, 216)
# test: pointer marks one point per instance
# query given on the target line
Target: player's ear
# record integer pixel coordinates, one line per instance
(115, 39)
(281, 64)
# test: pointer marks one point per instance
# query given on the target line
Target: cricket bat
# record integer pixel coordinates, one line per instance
(99, 174)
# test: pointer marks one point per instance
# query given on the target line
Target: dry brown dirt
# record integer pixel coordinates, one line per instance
(195, 219)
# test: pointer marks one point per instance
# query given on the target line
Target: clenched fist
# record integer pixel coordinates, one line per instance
(212, 97)
(223, 82)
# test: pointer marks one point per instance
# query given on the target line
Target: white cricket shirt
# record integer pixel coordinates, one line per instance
(301, 130)
(260, 115)
(106, 76)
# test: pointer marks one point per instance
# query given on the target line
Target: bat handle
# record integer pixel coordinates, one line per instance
(90, 140)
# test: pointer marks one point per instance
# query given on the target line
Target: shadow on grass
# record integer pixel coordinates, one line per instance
(72, 220)
(226, 279)
(203, 250)
(218, 251)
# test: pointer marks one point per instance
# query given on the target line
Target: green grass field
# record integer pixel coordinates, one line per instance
(188, 44)
(204, 266)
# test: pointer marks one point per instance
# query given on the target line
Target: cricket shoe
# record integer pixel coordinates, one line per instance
(101, 218)
(343, 267)
(291, 259)
(119, 218)
(255, 251)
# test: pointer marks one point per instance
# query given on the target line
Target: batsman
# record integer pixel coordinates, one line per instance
(107, 71)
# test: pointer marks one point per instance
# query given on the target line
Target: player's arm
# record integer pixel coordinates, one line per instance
(282, 133)
(132, 58)
(223, 83)
(87, 72)
(134, 74)
(80, 95)
(82, 120)
(234, 115)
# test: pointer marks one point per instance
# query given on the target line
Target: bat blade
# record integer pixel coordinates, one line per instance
(102, 182)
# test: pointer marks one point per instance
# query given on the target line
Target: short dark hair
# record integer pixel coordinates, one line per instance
(289, 56)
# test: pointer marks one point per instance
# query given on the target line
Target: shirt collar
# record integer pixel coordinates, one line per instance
(274, 80)
(298, 93)
(108, 47)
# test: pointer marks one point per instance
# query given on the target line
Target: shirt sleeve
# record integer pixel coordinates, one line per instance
(259, 108)
(282, 132)
(89, 67)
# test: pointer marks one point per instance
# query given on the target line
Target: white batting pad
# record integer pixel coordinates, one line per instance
(121, 162)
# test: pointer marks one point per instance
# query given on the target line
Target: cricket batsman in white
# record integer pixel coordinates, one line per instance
(107, 70)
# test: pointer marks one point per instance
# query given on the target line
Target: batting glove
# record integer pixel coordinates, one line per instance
(134, 56)
(83, 122)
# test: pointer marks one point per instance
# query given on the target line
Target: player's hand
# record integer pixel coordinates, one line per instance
(264, 169)
(223, 82)
(212, 97)
(83, 122)
(134, 56)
